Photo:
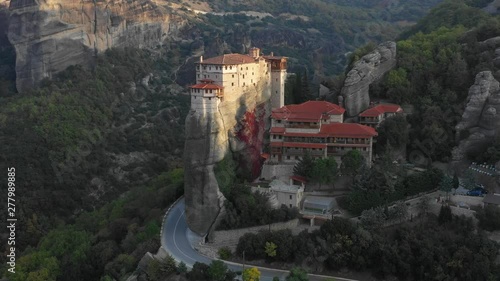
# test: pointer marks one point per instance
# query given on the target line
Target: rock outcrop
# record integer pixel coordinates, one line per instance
(49, 36)
(236, 128)
(369, 69)
(481, 118)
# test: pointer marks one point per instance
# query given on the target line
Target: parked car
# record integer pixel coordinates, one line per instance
(478, 191)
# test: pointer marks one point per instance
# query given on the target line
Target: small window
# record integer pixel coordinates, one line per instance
(243, 76)
(209, 98)
(288, 157)
(225, 67)
(290, 198)
(210, 68)
(216, 76)
(198, 75)
(233, 75)
(276, 79)
(230, 67)
(243, 83)
(247, 67)
(194, 97)
(290, 205)
(232, 84)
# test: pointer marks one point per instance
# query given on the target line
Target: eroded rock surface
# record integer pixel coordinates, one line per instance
(236, 128)
(49, 36)
(481, 118)
(370, 68)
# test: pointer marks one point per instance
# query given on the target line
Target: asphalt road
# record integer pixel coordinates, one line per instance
(176, 242)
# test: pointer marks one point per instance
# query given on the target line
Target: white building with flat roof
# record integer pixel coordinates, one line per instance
(287, 194)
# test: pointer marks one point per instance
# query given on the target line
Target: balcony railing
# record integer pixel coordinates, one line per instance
(301, 126)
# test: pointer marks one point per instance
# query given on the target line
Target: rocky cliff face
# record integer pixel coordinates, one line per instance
(481, 118)
(237, 128)
(370, 68)
(48, 36)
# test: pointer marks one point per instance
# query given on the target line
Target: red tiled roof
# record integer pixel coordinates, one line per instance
(277, 130)
(348, 130)
(206, 86)
(308, 111)
(304, 145)
(299, 178)
(229, 59)
(273, 57)
(381, 109)
(206, 81)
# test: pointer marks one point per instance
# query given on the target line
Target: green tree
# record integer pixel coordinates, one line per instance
(297, 274)
(445, 214)
(469, 181)
(38, 266)
(352, 162)
(399, 86)
(456, 182)
(270, 249)
(304, 166)
(154, 270)
(393, 132)
(446, 185)
(182, 268)
(423, 205)
(251, 274)
(373, 218)
(217, 271)
(199, 272)
(489, 218)
(225, 253)
(325, 170)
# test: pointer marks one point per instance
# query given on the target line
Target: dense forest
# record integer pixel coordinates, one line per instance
(315, 34)
(98, 150)
(83, 139)
(432, 248)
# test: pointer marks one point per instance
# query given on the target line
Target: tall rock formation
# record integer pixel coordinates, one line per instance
(49, 36)
(370, 68)
(237, 127)
(481, 118)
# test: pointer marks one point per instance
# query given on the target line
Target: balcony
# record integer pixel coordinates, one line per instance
(351, 142)
(305, 140)
(302, 126)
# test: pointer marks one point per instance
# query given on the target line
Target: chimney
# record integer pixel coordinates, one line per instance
(272, 54)
(201, 59)
(254, 52)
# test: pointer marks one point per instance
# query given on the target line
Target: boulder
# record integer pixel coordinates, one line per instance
(481, 117)
(369, 69)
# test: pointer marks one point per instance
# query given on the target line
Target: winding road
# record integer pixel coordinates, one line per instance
(178, 240)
